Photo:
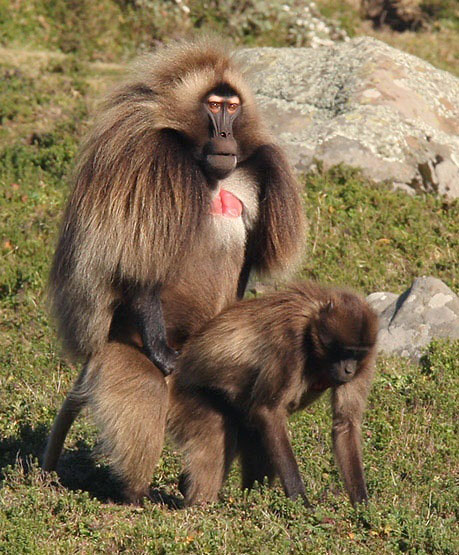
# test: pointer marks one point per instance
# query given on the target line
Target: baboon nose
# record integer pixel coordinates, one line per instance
(349, 368)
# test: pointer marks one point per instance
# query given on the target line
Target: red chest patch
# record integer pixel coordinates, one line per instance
(226, 204)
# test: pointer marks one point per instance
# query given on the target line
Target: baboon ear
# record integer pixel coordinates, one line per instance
(324, 322)
(325, 337)
(326, 310)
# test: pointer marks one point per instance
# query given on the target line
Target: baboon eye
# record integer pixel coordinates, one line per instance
(214, 106)
(356, 354)
(233, 107)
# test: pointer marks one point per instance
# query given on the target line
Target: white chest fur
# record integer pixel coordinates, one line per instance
(229, 230)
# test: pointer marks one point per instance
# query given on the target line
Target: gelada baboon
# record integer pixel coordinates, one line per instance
(178, 194)
(255, 363)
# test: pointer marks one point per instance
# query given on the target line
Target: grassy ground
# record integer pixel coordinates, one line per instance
(360, 235)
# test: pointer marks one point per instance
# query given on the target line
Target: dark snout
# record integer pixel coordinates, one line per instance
(343, 371)
(220, 155)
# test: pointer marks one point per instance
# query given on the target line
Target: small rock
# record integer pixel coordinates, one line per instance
(380, 301)
(428, 309)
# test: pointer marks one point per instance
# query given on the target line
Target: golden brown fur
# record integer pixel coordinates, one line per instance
(136, 208)
(138, 215)
(257, 362)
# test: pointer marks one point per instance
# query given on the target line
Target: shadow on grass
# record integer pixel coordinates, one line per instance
(26, 445)
(77, 470)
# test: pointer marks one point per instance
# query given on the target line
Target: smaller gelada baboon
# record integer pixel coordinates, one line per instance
(258, 361)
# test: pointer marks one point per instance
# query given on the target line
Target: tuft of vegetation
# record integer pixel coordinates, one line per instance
(360, 234)
(109, 30)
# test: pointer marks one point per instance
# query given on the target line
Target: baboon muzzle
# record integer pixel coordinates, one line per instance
(221, 150)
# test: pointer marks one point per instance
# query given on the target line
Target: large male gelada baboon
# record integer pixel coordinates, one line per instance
(255, 363)
(178, 194)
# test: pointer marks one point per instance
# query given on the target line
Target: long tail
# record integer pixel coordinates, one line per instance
(76, 399)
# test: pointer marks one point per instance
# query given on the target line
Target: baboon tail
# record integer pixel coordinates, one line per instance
(76, 399)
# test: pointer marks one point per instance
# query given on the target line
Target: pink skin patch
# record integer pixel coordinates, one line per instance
(226, 204)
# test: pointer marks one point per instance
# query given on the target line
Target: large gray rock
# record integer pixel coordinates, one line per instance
(365, 104)
(428, 309)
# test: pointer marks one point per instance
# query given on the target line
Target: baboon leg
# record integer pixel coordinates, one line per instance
(209, 461)
(74, 402)
(256, 464)
(348, 406)
(128, 397)
(208, 440)
(273, 428)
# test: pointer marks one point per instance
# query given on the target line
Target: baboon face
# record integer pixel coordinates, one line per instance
(343, 337)
(344, 363)
(221, 107)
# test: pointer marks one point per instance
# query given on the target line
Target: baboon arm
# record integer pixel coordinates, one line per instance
(273, 427)
(149, 319)
(346, 434)
(348, 453)
(278, 238)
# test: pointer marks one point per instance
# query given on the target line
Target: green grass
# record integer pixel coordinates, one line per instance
(410, 444)
(375, 239)
(360, 234)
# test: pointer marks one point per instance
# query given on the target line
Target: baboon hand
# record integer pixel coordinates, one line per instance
(163, 357)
